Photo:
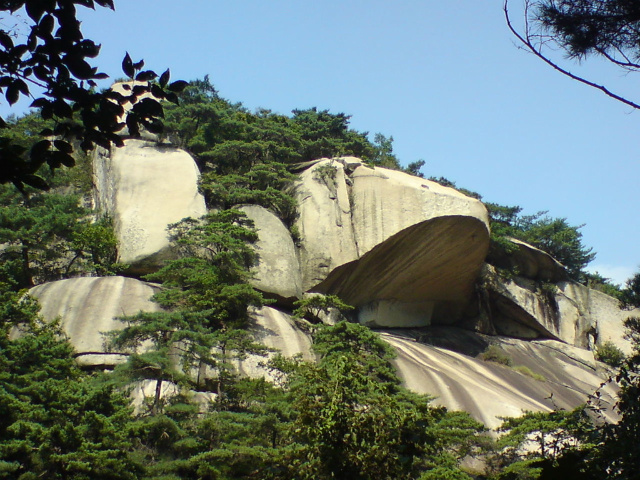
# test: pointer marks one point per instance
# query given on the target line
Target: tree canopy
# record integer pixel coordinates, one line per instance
(608, 29)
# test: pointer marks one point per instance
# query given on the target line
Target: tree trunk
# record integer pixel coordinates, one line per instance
(156, 400)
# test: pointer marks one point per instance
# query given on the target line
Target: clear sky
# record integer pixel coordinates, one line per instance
(445, 79)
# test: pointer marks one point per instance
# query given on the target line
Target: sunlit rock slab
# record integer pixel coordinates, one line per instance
(278, 270)
(386, 202)
(489, 391)
(90, 306)
(145, 187)
(434, 261)
(348, 209)
(276, 330)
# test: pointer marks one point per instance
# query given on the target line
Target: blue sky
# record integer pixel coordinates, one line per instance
(445, 79)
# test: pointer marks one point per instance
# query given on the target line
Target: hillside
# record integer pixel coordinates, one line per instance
(239, 231)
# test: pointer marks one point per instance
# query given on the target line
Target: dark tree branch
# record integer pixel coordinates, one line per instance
(627, 64)
(525, 40)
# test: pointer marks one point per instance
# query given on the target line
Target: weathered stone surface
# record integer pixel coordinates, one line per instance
(602, 313)
(566, 311)
(144, 188)
(89, 307)
(393, 244)
(324, 223)
(520, 309)
(278, 269)
(346, 213)
(434, 261)
(530, 262)
(276, 330)
(488, 390)
(388, 201)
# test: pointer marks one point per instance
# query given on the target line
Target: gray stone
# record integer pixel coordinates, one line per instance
(278, 269)
(144, 188)
(489, 390)
(89, 307)
(371, 235)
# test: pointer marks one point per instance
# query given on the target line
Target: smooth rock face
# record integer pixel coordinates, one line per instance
(435, 260)
(276, 330)
(278, 269)
(388, 201)
(566, 311)
(324, 223)
(519, 309)
(602, 315)
(530, 262)
(489, 390)
(372, 235)
(90, 306)
(144, 188)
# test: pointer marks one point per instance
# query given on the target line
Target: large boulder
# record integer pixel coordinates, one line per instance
(529, 262)
(278, 270)
(399, 247)
(328, 238)
(145, 187)
(567, 311)
(88, 307)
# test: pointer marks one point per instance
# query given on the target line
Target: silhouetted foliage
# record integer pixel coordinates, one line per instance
(47, 55)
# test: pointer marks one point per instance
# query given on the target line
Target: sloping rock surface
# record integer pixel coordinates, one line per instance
(278, 269)
(566, 311)
(276, 330)
(489, 390)
(90, 306)
(144, 188)
(530, 262)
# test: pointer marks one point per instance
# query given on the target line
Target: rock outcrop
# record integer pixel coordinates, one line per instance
(278, 269)
(406, 252)
(144, 187)
(397, 246)
(566, 311)
(88, 307)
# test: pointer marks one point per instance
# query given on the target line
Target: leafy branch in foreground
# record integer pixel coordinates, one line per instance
(49, 55)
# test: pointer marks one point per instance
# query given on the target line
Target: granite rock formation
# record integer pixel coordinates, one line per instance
(408, 253)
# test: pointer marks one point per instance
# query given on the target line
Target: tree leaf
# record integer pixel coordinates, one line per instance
(127, 66)
(5, 40)
(63, 146)
(13, 94)
(35, 9)
(178, 86)
(35, 181)
(164, 78)
(146, 76)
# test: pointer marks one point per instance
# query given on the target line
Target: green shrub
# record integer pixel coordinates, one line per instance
(610, 354)
(326, 173)
(495, 354)
(529, 373)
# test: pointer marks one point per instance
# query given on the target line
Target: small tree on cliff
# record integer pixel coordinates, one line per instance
(205, 295)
